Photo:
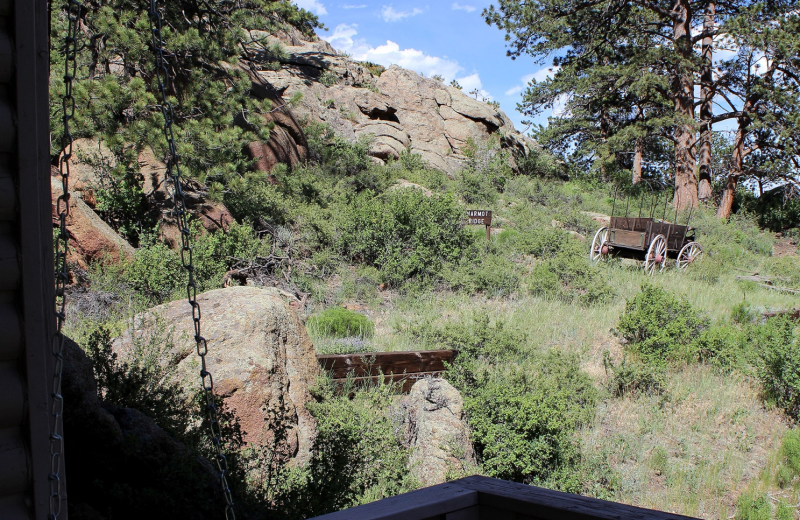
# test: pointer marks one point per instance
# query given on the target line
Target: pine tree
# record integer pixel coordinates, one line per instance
(117, 97)
(658, 42)
(761, 88)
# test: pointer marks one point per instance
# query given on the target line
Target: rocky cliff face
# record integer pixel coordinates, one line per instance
(399, 108)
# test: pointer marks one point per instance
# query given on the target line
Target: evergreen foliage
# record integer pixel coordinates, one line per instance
(216, 116)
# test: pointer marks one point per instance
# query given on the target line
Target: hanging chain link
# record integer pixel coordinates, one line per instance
(62, 271)
(179, 205)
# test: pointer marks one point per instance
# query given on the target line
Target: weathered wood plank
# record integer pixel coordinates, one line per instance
(547, 504)
(780, 289)
(374, 363)
(793, 314)
(416, 505)
(407, 379)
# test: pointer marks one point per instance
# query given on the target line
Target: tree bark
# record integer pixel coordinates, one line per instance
(706, 107)
(683, 90)
(637, 160)
(737, 160)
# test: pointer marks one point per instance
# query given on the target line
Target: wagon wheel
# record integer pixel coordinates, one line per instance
(599, 248)
(690, 253)
(656, 255)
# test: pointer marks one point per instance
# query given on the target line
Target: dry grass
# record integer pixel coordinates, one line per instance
(692, 450)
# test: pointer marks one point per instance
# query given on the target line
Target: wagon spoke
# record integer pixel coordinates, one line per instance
(600, 247)
(656, 255)
(689, 254)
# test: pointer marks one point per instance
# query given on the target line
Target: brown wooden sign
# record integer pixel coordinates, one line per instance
(479, 217)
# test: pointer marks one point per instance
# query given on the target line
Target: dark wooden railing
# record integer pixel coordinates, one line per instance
(482, 498)
(408, 366)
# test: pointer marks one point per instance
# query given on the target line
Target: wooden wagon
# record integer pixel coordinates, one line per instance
(654, 239)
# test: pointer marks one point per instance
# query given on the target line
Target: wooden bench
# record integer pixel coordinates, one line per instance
(406, 366)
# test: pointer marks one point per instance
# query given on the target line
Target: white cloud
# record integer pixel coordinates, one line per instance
(560, 106)
(458, 7)
(359, 6)
(473, 82)
(314, 6)
(390, 15)
(390, 53)
(539, 75)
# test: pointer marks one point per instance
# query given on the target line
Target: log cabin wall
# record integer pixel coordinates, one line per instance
(27, 320)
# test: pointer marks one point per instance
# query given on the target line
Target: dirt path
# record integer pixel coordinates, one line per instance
(785, 246)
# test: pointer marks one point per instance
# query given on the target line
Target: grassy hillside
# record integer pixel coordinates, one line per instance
(568, 379)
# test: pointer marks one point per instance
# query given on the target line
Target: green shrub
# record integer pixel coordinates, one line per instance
(328, 78)
(490, 274)
(633, 377)
(791, 450)
(341, 323)
(157, 271)
(721, 345)
(486, 171)
(142, 380)
(475, 340)
(774, 209)
(540, 163)
(749, 507)
(784, 511)
(569, 276)
(742, 314)
(779, 370)
(374, 68)
(543, 242)
(660, 326)
(404, 233)
(523, 412)
(785, 267)
(523, 418)
(358, 455)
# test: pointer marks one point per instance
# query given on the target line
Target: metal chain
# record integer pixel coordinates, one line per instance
(61, 269)
(179, 205)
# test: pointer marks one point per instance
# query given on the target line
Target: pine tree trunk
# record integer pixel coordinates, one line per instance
(637, 160)
(737, 160)
(683, 90)
(706, 108)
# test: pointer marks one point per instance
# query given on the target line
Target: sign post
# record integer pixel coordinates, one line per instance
(480, 217)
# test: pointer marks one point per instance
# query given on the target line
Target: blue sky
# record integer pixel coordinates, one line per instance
(444, 37)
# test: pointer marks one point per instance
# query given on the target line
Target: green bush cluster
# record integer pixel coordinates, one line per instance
(790, 449)
(660, 326)
(157, 272)
(523, 418)
(778, 346)
(358, 455)
(490, 273)
(569, 276)
(774, 210)
(523, 411)
(404, 233)
(486, 171)
(632, 377)
(337, 322)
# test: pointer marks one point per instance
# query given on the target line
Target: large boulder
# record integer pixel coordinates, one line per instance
(121, 463)
(90, 238)
(260, 355)
(437, 431)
